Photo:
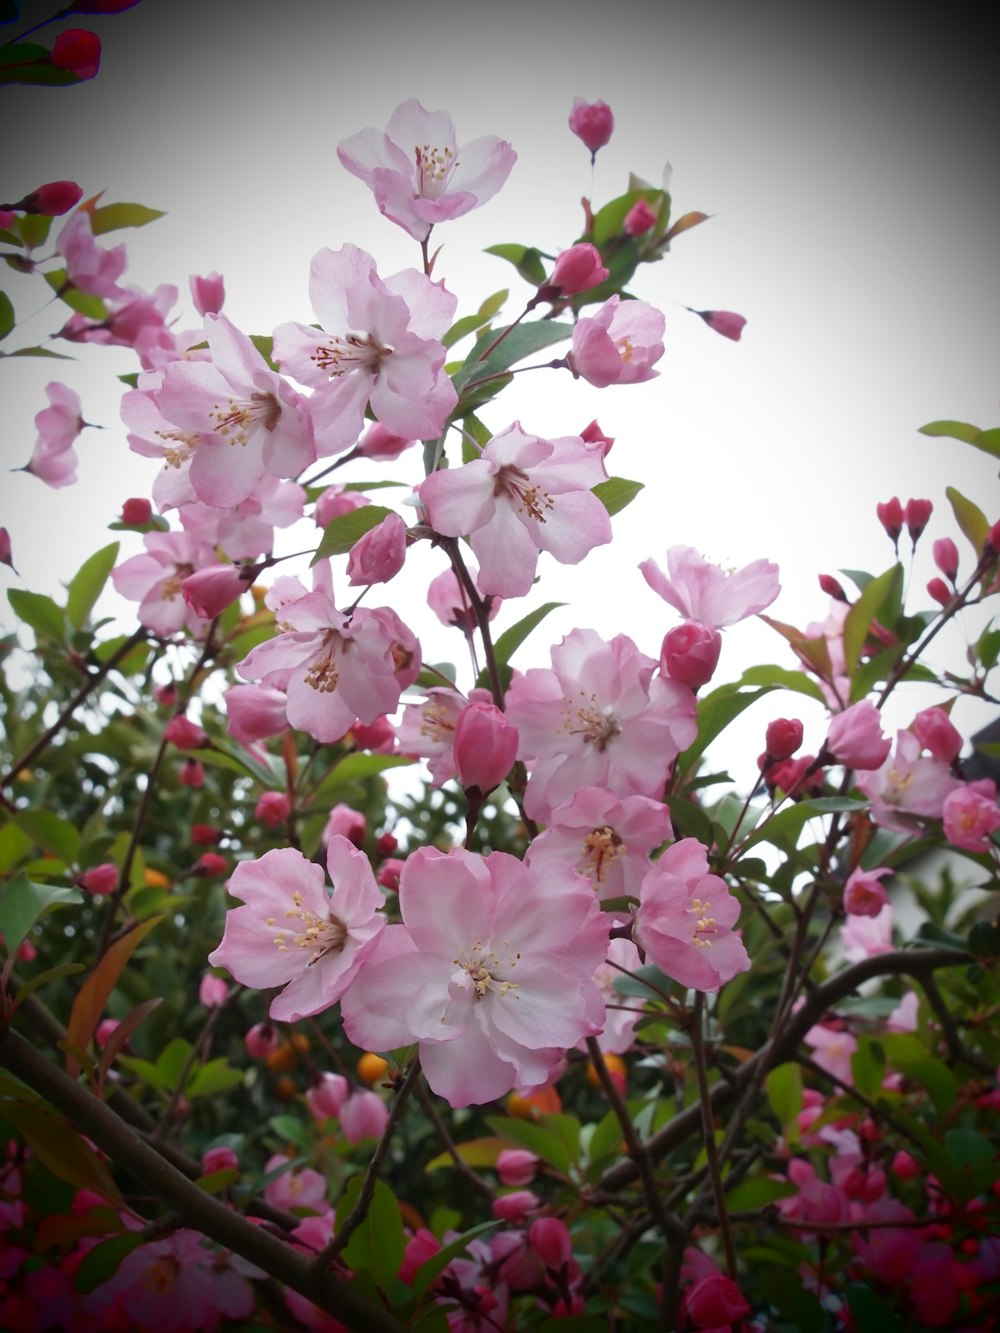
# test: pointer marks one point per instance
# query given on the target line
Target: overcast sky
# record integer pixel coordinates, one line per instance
(849, 165)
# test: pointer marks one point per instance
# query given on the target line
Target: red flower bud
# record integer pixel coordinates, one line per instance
(578, 269)
(832, 587)
(205, 835)
(890, 515)
(51, 200)
(593, 122)
(917, 515)
(939, 590)
(137, 512)
(727, 323)
(946, 557)
(689, 654)
(211, 863)
(993, 538)
(272, 808)
(100, 880)
(184, 733)
(78, 51)
(783, 737)
(192, 774)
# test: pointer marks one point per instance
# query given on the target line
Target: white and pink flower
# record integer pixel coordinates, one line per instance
(709, 594)
(619, 344)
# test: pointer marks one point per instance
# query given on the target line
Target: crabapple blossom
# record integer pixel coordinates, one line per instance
(709, 594)
(378, 556)
(327, 1095)
(865, 936)
(916, 515)
(208, 293)
(890, 515)
(293, 932)
(100, 880)
(619, 344)
(833, 1047)
(154, 580)
(855, 738)
(302, 1188)
(639, 218)
(938, 734)
(212, 991)
(184, 733)
(210, 590)
(685, 919)
(418, 175)
(491, 972)
(783, 737)
(90, 267)
(939, 590)
(79, 51)
(346, 822)
(908, 786)
(517, 1166)
(725, 322)
(946, 557)
(336, 501)
(577, 270)
(971, 816)
(523, 495)
(379, 343)
(136, 511)
(380, 443)
(363, 1115)
(272, 808)
(623, 1012)
(599, 718)
(593, 123)
(261, 1041)
(255, 712)
(863, 894)
(448, 599)
(485, 746)
(689, 654)
(192, 774)
(51, 200)
(52, 459)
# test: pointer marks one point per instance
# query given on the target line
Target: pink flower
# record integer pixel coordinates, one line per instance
(336, 501)
(909, 785)
(715, 1301)
(725, 322)
(261, 1041)
(154, 581)
(208, 293)
(293, 932)
(917, 515)
(599, 718)
(90, 267)
(619, 344)
(709, 594)
(327, 1095)
(485, 747)
(184, 733)
(363, 1115)
(77, 50)
(52, 459)
(490, 973)
(255, 713)
(855, 737)
(302, 1188)
(417, 173)
(783, 737)
(213, 991)
(100, 880)
(690, 653)
(448, 599)
(938, 734)
(523, 495)
(863, 894)
(890, 515)
(346, 822)
(219, 1159)
(192, 774)
(578, 269)
(379, 343)
(210, 590)
(272, 808)
(971, 816)
(623, 1012)
(639, 218)
(592, 122)
(517, 1166)
(685, 919)
(378, 556)
(865, 936)
(946, 557)
(833, 1047)
(515, 1206)
(6, 552)
(50, 200)
(380, 443)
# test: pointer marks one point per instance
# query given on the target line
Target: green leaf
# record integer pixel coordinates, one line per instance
(213, 1077)
(38, 611)
(43, 978)
(40, 351)
(51, 833)
(474, 1152)
(525, 258)
(758, 1193)
(882, 591)
(61, 1149)
(82, 302)
(617, 492)
(546, 1143)
(689, 820)
(783, 677)
(715, 712)
(470, 323)
(7, 319)
(292, 1129)
(111, 217)
(377, 1245)
(22, 903)
(87, 584)
(93, 995)
(518, 342)
(868, 1067)
(341, 533)
(986, 440)
(511, 639)
(970, 518)
(784, 1094)
(104, 1259)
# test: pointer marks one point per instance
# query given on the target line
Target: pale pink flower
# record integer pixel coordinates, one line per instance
(210, 590)
(619, 344)
(302, 1188)
(833, 1048)
(448, 599)
(685, 920)
(53, 459)
(855, 737)
(155, 579)
(709, 594)
(904, 1017)
(523, 495)
(592, 122)
(418, 174)
(255, 712)
(971, 816)
(346, 822)
(293, 932)
(491, 973)
(865, 936)
(908, 786)
(208, 293)
(212, 991)
(378, 556)
(938, 734)
(336, 501)
(379, 343)
(863, 894)
(428, 730)
(599, 718)
(623, 1011)
(90, 267)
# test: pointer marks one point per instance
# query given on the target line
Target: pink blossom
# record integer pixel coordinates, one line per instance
(619, 344)
(890, 515)
(490, 973)
(378, 556)
(515, 1206)
(100, 880)
(90, 267)
(208, 293)
(783, 737)
(523, 495)
(485, 746)
(890, 1253)
(971, 816)
(346, 822)
(689, 654)
(210, 590)
(336, 501)
(272, 808)
(917, 515)
(417, 173)
(623, 1012)
(51, 200)
(363, 1115)
(184, 733)
(261, 1041)
(213, 991)
(6, 552)
(327, 1096)
(192, 774)
(938, 734)
(154, 581)
(209, 864)
(592, 122)
(53, 459)
(709, 594)
(379, 343)
(598, 718)
(517, 1166)
(863, 894)
(725, 322)
(855, 737)
(255, 713)
(428, 730)
(262, 946)
(946, 557)
(685, 919)
(380, 443)
(219, 1159)
(865, 936)
(448, 599)
(908, 786)
(639, 218)
(302, 1188)
(578, 269)
(715, 1301)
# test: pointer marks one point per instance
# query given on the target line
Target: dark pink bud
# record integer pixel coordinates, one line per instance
(386, 844)
(715, 1301)
(993, 538)
(593, 434)
(946, 557)
(515, 1207)
(379, 736)
(485, 746)
(938, 734)
(379, 442)
(51, 200)
(783, 737)
(917, 515)
(727, 323)
(210, 864)
(939, 590)
(689, 654)
(78, 51)
(517, 1166)
(192, 773)
(639, 218)
(890, 515)
(855, 737)
(165, 695)
(832, 587)
(5, 549)
(272, 808)
(137, 512)
(205, 835)
(261, 1041)
(388, 873)
(210, 590)
(550, 1240)
(327, 1095)
(104, 1031)
(379, 555)
(100, 880)
(219, 1159)
(208, 293)
(184, 733)
(593, 122)
(578, 269)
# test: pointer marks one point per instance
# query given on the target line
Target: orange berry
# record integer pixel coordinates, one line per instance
(285, 1088)
(155, 879)
(615, 1067)
(372, 1069)
(286, 1055)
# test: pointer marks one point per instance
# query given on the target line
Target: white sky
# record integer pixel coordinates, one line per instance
(852, 177)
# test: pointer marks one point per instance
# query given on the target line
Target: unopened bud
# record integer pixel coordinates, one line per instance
(917, 515)
(946, 557)
(592, 122)
(890, 515)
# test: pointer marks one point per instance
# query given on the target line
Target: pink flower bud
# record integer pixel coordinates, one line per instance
(205, 835)
(255, 712)
(639, 218)
(192, 774)
(379, 736)
(100, 880)
(378, 556)
(388, 873)
(727, 323)
(219, 1159)
(832, 587)
(906, 1167)
(855, 737)
(993, 538)
(363, 1116)
(939, 590)
(592, 122)
(272, 808)
(327, 1095)
(863, 894)
(184, 733)
(517, 1166)
(917, 515)
(334, 502)
(137, 512)
(783, 737)
(689, 654)
(105, 1031)
(946, 557)
(166, 695)
(213, 991)
(938, 734)
(5, 549)
(51, 200)
(379, 442)
(261, 1041)
(78, 51)
(210, 864)
(715, 1301)
(578, 269)
(514, 1207)
(208, 293)
(386, 844)
(485, 746)
(593, 434)
(348, 822)
(890, 515)
(210, 590)
(550, 1240)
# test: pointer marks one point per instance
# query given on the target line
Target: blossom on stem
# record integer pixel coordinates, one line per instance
(293, 932)
(855, 737)
(690, 653)
(485, 746)
(725, 322)
(971, 816)
(890, 515)
(523, 495)
(863, 894)
(79, 51)
(208, 293)
(709, 594)
(53, 459)
(90, 267)
(50, 200)
(619, 344)
(417, 173)
(379, 555)
(577, 270)
(593, 123)
(917, 515)
(155, 579)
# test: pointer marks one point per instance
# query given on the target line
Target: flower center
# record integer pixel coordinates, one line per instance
(483, 968)
(526, 498)
(237, 418)
(434, 166)
(339, 356)
(171, 587)
(601, 847)
(318, 936)
(704, 924)
(324, 670)
(596, 725)
(175, 455)
(436, 723)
